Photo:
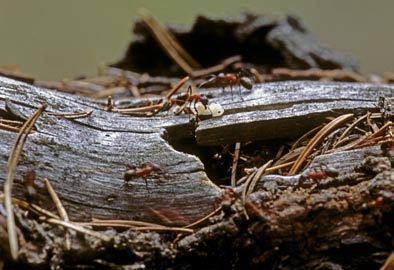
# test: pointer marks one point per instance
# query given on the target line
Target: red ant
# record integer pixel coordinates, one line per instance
(254, 210)
(324, 173)
(29, 177)
(227, 199)
(375, 204)
(145, 170)
(229, 79)
(190, 99)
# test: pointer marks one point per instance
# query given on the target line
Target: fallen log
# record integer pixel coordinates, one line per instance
(290, 225)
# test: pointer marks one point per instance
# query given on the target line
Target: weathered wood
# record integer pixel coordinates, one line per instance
(286, 109)
(344, 162)
(85, 160)
(291, 225)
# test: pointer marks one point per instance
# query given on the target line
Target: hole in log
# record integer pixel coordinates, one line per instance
(218, 159)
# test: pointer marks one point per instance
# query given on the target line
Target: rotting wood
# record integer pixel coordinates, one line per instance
(268, 42)
(303, 228)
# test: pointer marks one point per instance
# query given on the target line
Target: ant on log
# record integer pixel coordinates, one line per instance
(143, 171)
(200, 105)
(229, 79)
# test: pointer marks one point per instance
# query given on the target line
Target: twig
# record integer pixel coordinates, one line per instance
(110, 104)
(78, 228)
(268, 170)
(9, 128)
(373, 138)
(372, 124)
(139, 109)
(349, 129)
(177, 87)
(135, 225)
(291, 156)
(151, 108)
(382, 129)
(250, 185)
(218, 68)
(11, 167)
(235, 163)
(118, 222)
(31, 207)
(251, 182)
(134, 91)
(389, 263)
(303, 137)
(60, 209)
(73, 115)
(164, 229)
(278, 167)
(169, 44)
(202, 220)
(317, 139)
(351, 145)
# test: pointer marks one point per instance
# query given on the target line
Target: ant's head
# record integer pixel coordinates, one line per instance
(204, 100)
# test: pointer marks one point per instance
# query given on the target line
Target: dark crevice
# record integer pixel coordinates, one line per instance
(218, 159)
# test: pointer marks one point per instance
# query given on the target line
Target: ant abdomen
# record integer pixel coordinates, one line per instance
(246, 82)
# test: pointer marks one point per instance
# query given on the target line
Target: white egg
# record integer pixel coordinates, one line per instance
(216, 109)
(201, 110)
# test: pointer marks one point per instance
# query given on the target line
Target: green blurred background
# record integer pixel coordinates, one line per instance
(54, 39)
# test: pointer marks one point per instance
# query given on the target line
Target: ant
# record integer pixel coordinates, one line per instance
(29, 177)
(315, 176)
(143, 171)
(194, 100)
(375, 204)
(227, 199)
(230, 79)
(190, 98)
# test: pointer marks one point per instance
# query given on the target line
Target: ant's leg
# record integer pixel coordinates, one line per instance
(197, 119)
(240, 92)
(146, 184)
(126, 186)
(190, 109)
(195, 108)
